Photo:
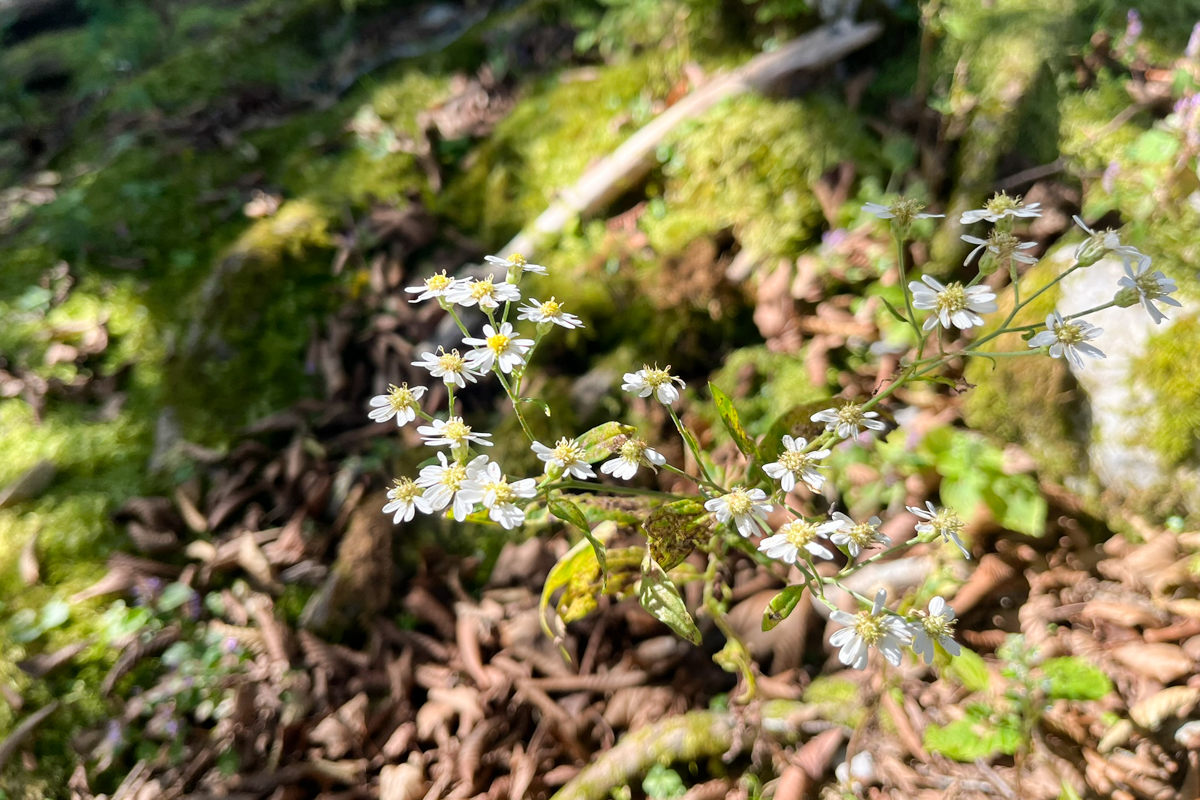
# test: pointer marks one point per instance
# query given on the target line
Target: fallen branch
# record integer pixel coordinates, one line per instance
(694, 737)
(630, 162)
(22, 731)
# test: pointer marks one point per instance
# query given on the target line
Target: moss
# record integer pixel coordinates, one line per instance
(838, 699)
(750, 164)
(1172, 422)
(764, 386)
(1031, 401)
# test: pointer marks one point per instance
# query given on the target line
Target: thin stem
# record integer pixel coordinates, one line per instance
(908, 306)
(457, 320)
(701, 482)
(690, 441)
(516, 406)
(630, 490)
(850, 569)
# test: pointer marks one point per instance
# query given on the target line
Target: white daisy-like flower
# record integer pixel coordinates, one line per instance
(1150, 287)
(400, 402)
(953, 304)
(1068, 338)
(1001, 244)
(452, 368)
(516, 261)
(794, 464)
(933, 628)
(453, 432)
(876, 628)
(999, 207)
(902, 210)
(793, 537)
(854, 536)
(633, 453)
(405, 499)
(435, 286)
(1100, 243)
(549, 311)
(487, 294)
(442, 484)
(498, 347)
(567, 455)
(659, 382)
(744, 507)
(490, 487)
(849, 420)
(943, 521)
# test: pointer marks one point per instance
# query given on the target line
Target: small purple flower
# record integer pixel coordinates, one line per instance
(171, 728)
(231, 644)
(1133, 28)
(834, 239)
(1193, 45)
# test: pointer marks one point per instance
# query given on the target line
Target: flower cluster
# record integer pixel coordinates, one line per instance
(890, 633)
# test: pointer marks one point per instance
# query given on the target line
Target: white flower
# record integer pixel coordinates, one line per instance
(442, 484)
(854, 536)
(849, 420)
(1149, 286)
(452, 368)
(660, 382)
(875, 628)
(1100, 243)
(567, 455)
(793, 537)
(999, 207)
(486, 293)
(1070, 338)
(400, 402)
(516, 261)
(952, 305)
(498, 347)
(942, 520)
(794, 464)
(490, 487)
(633, 453)
(934, 627)
(549, 311)
(745, 507)
(902, 210)
(1001, 244)
(435, 286)
(453, 432)
(406, 499)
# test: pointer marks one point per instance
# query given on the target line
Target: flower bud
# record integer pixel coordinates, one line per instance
(1126, 298)
(988, 264)
(553, 471)
(460, 452)
(1094, 248)
(514, 274)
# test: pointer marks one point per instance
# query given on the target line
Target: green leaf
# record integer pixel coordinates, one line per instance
(973, 737)
(579, 558)
(1154, 147)
(1072, 678)
(54, 613)
(173, 596)
(892, 309)
(781, 606)
(660, 597)
(969, 671)
(569, 512)
(729, 417)
(595, 442)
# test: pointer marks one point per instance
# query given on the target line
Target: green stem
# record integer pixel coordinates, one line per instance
(701, 482)
(516, 405)
(690, 441)
(630, 490)
(908, 306)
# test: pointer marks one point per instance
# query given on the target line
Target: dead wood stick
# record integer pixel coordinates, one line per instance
(630, 162)
(694, 736)
(14, 739)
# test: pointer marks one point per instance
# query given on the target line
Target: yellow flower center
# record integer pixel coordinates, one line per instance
(947, 521)
(1069, 333)
(498, 343)
(937, 627)
(905, 210)
(657, 377)
(453, 476)
(952, 299)
(795, 461)
(1002, 203)
(550, 308)
(517, 260)
(400, 397)
(456, 430)
(738, 503)
(799, 533)
(850, 414)
(504, 492)
(869, 627)
(439, 282)
(567, 451)
(1147, 284)
(452, 361)
(862, 534)
(404, 489)
(482, 289)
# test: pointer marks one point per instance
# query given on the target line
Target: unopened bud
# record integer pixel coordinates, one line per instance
(1095, 247)
(554, 471)
(988, 264)
(460, 451)
(514, 274)
(1126, 298)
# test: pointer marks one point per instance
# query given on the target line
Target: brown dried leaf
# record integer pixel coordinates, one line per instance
(1174, 701)
(1162, 662)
